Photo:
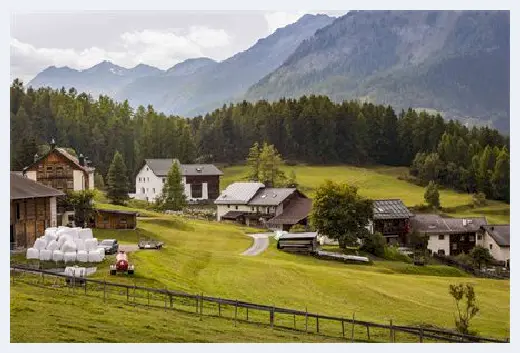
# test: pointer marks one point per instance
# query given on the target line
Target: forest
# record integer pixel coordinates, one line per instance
(310, 129)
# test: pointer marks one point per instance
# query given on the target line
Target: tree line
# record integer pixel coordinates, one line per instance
(311, 129)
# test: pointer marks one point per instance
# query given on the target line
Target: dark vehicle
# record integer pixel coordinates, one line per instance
(111, 246)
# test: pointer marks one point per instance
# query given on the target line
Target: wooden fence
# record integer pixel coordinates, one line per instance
(470, 269)
(349, 329)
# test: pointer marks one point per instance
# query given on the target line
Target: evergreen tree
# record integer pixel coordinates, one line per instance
(431, 195)
(253, 162)
(117, 180)
(172, 197)
(269, 172)
(500, 176)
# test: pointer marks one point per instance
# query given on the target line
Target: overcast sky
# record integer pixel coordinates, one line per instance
(162, 39)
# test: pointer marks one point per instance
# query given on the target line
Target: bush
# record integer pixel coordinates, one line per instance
(392, 253)
(479, 199)
(297, 228)
(374, 244)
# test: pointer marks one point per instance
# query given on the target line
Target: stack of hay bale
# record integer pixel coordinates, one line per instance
(67, 244)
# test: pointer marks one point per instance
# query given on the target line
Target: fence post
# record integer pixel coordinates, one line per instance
(197, 304)
(104, 291)
(343, 328)
(294, 320)
(306, 320)
(368, 333)
(317, 324)
(165, 299)
(148, 297)
(127, 295)
(247, 313)
(236, 311)
(219, 308)
(171, 300)
(421, 335)
(271, 316)
(134, 296)
(201, 305)
(391, 332)
(353, 323)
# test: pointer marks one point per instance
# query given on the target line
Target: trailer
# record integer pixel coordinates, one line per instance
(146, 243)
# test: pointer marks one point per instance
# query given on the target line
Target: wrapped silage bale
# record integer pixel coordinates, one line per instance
(82, 256)
(53, 245)
(57, 255)
(69, 246)
(85, 233)
(75, 232)
(61, 241)
(69, 256)
(101, 253)
(45, 255)
(91, 244)
(33, 253)
(40, 244)
(80, 244)
(94, 256)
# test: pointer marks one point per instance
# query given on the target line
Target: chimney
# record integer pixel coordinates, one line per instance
(81, 160)
(464, 222)
(53, 144)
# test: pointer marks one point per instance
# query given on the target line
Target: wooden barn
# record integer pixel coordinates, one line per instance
(299, 242)
(33, 208)
(115, 219)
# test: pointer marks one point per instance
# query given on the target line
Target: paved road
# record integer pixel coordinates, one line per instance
(128, 247)
(261, 243)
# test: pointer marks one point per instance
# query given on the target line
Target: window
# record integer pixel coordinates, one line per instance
(139, 179)
(471, 238)
(105, 219)
(59, 171)
(454, 246)
(153, 190)
(142, 190)
(147, 169)
(163, 180)
(196, 191)
(236, 207)
(490, 246)
(228, 206)
(70, 184)
(252, 208)
(122, 220)
(148, 179)
(17, 211)
(479, 237)
(441, 252)
(49, 169)
(462, 238)
(441, 237)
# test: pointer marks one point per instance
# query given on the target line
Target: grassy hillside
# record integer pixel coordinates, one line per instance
(204, 257)
(381, 183)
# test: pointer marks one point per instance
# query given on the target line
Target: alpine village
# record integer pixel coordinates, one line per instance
(293, 208)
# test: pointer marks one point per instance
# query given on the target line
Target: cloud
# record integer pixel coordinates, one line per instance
(160, 48)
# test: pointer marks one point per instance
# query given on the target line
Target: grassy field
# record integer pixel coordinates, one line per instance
(381, 183)
(204, 257)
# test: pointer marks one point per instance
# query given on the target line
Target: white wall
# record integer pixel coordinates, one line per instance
(223, 209)
(52, 207)
(435, 244)
(499, 253)
(79, 180)
(31, 174)
(91, 181)
(148, 181)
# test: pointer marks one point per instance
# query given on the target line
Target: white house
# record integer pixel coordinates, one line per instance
(201, 181)
(253, 204)
(496, 239)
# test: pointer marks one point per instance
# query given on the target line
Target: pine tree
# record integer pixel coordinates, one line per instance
(117, 180)
(269, 172)
(500, 176)
(431, 195)
(172, 197)
(253, 162)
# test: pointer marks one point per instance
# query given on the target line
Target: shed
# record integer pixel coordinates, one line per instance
(115, 219)
(299, 242)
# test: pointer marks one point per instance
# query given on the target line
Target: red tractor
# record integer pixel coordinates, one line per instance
(122, 265)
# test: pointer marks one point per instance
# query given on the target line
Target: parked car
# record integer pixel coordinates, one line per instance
(111, 246)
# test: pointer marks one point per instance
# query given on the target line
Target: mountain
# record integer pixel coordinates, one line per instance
(453, 62)
(212, 84)
(190, 66)
(103, 78)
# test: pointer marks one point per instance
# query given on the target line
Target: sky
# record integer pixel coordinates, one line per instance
(127, 38)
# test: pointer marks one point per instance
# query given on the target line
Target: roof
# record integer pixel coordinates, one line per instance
(435, 224)
(390, 209)
(25, 188)
(271, 196)
(500, 233)
(296, 210)
(65, 154)
(300, 235)
(233, 214)
(238, 193)
(117, 211)
(161, 167)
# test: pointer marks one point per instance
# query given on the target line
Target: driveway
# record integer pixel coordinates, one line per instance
(128, 247)
(261, 242)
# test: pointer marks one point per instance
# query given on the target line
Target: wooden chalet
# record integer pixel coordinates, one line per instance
(33, 208)
(298, 242)
(392, 219)
(114, 219)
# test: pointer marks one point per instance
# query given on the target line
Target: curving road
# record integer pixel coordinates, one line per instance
(261, 242)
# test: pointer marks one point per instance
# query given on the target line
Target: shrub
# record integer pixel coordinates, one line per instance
(297, 228)
(392, 253)
(374, 244)
(479, 199)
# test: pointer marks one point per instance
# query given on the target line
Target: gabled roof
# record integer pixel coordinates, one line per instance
(435, 224)
(271, 196)
(161, 166)
(298, 209)
(500, 233)
(25, 188)
(300, 235)
(238, 193)
(65, 154)
(390, 209)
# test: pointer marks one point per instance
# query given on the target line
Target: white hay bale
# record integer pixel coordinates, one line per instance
(50, 237)
(51, 231)
(40, 244)
(53, 245)
(91, 244)
(80, 244)
(61, 241)
(57, 255)
(101, 252)
(94, 256)
(82, 256)
(85, 233)
(33, 253)
(45, 255)
(69, 246)
(69, 256)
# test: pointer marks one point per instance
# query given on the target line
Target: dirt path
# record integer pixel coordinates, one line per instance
(261, 243)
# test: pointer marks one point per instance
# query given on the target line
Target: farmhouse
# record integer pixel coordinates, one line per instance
(391, 219)
(33, 209)
(201, 181)
(115, 219)
(449, 236)
(496, 239)
(253, 204)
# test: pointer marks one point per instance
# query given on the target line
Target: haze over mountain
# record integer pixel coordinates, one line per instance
(454, 62)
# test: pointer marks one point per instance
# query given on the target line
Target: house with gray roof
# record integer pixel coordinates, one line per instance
(253, 204)
(391, 218)
(496, 238)
(201, 181)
